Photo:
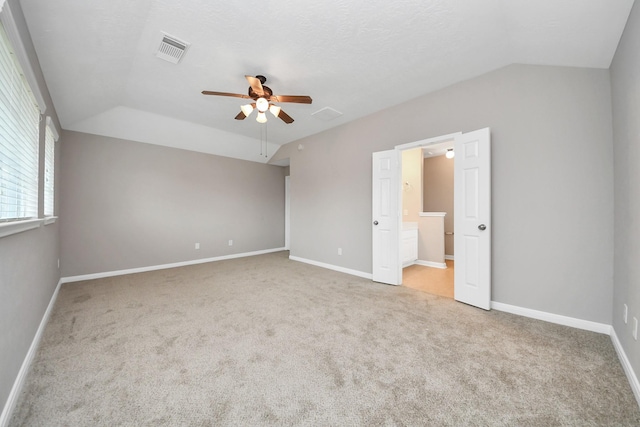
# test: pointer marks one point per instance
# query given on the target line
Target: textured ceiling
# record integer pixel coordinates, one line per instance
(356, 56)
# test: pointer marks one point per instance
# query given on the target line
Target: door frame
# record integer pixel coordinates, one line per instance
(482, 138)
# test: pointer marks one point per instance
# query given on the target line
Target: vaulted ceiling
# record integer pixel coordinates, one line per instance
(355, 56)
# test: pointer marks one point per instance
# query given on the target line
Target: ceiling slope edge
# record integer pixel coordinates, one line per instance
(141, 126)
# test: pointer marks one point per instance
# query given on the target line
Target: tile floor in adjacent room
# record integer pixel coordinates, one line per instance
(437, 281)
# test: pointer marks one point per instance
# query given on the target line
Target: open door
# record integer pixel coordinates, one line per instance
(287, 212)
(385, 218)
(472, 223)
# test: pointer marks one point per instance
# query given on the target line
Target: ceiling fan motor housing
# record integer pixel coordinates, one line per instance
(266, 89)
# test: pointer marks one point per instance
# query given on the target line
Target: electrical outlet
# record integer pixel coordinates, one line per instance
(625, 313)
(339, 251)
(635, 329)
(197, 245)
(230, 242)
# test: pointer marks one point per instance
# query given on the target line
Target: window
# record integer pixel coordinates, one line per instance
(19, 139)
(51, 136)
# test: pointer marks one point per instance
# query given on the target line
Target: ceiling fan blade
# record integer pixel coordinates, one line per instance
(235, 95)
(240, 116)
(292, 98)
(256, 85)
(285, 117)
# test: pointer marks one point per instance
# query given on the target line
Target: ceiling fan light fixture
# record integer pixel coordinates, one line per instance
(262, 104)
(246, 109)
(275, 110)
(262, 117)
(261, 98)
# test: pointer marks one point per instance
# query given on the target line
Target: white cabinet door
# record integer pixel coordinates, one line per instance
(409, 247)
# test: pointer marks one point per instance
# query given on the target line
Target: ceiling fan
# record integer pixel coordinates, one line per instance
(264, 100)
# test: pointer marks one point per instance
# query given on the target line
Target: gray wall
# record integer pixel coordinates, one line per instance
(127, 204)
(28, 264)
(625, 84)
(552, 190)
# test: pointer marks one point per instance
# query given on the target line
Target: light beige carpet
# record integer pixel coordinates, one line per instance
(268, 341)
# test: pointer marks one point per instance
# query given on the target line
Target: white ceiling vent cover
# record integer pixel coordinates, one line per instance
(326, 114)
(171, 49)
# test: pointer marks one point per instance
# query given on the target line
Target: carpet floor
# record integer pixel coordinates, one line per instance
(268, 341)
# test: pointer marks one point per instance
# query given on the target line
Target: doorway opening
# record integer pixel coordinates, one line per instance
(472, 205)
(427, 195)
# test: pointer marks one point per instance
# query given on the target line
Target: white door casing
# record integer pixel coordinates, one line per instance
(385, 226)
(472, 223)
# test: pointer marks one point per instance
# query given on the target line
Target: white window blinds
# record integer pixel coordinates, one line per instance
(51, 136)
(19, 134)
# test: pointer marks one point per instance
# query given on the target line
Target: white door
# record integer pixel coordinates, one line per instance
(287, 212)
(385, 218)
(472, 223)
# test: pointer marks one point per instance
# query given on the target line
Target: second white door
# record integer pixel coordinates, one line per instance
(472, 218)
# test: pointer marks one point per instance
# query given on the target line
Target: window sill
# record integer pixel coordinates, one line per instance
(50, 220)
(9, 228)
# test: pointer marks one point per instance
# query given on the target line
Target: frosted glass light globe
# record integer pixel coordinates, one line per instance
(262, 105)
(246, 109)
(275, 110)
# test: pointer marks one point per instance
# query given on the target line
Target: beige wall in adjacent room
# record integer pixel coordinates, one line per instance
(127, 205)
(537, 198)
(411, 184)
(437, 189)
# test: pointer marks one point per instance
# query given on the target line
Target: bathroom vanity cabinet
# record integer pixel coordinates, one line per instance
(409, 243)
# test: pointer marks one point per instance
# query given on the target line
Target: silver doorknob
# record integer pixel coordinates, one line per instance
(482, 227)
(375, 222)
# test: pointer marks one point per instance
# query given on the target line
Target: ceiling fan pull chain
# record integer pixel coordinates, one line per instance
(261, 138)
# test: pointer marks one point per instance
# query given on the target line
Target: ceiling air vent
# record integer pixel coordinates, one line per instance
(326, 114)
(171, 49)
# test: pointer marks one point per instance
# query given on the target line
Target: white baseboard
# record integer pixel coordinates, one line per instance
(164, 266)
(449, 257)
(14, 394)
(333, 267)
(553, 318)
(626, 365)
(442, 265)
